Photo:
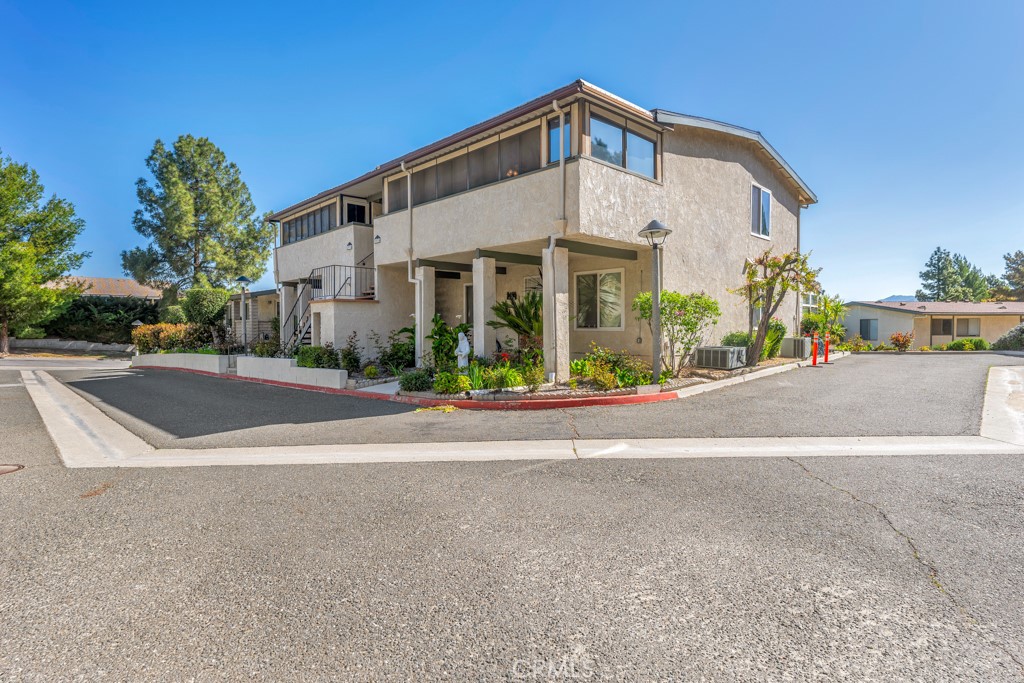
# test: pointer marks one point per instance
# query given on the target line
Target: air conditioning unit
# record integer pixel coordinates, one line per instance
(796, 347)
(721, 357)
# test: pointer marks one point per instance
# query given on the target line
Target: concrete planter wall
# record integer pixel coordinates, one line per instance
(287, 370)
(69, 344)
(202, 362)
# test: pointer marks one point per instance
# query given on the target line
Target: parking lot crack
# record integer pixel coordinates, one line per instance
(570, 421)
(929, 567)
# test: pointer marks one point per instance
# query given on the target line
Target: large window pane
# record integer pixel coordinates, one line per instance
(510, 157)
(968, 327)
(484, 166)
(451, 176)
(553, 135)
(355, 213)
(942, 327)
(397, 194)
(869, 329)
(611, 300)
(766, 213)
(639, 154)
(586, 300)
(605, 141)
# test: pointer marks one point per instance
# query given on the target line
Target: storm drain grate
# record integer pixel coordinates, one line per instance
(7, 469)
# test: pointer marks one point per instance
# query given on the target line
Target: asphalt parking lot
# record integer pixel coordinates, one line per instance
(879, 568)
(906, 395)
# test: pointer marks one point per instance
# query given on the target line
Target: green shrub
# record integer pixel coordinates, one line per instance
(205, 305)
(604, 378)
(968, 344)
(533, 376)
(266, 349)
(167, 336)
(502, 376)
(624, 368)
(475, 374)
(317, 357)
(370, 372)
(450, 383)
(741, 339)
(580, 367)
(416, 380)
(443, 342)
(398, 351)
(105, 319)
(1011, 341)
(773, 339)
(351, 354)
(173, 314)
(29, 332)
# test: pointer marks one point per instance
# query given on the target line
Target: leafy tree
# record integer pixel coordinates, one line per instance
(37, 241)
(199, 218)
(768, 279)
(205, 305)
(833, 311)
(973, 283)
(106, 319)
(1012, 283)
(685, 319)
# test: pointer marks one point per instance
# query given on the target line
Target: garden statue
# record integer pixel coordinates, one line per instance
(462, 351)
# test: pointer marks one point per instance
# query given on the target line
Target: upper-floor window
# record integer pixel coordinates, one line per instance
(809, 303)
(554, 134)
(355, 213)
(308, 224)
(760, 211)
(504, 156)
(620, 146)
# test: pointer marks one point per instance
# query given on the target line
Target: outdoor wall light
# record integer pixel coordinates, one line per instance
(376, 239)
(348, 246)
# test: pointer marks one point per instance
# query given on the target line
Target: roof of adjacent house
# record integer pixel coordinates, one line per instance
(656, 116)
(113, 286)
(947, 307)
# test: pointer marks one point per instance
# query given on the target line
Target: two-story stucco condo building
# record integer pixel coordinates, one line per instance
(546, 197)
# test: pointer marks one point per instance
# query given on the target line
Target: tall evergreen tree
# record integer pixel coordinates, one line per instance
(973, 283)
(938, 277)
(37, 241)
(1013, 278)
(199, 218)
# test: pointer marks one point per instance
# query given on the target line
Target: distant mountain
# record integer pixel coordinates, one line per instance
(898, 297)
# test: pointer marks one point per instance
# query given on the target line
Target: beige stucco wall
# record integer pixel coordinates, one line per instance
(338, 319)
(296, 260)
(514, 210)
(992, 326)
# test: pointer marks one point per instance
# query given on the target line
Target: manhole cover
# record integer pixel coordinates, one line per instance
(7, 469)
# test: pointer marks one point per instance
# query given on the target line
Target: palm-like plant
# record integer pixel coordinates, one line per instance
(524, 317)
(833, 311)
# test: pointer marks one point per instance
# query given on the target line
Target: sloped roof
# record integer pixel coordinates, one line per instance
(948, 307)
(113, 286)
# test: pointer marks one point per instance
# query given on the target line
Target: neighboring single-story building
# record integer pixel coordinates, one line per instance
(261, 311)
(933, 322)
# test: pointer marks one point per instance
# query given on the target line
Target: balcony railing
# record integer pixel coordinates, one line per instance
(343, 282)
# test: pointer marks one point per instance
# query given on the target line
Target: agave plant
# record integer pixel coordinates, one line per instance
(524, 317)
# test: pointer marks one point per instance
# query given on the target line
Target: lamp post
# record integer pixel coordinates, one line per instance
(245, 282)
(136, 324)
(655, 233)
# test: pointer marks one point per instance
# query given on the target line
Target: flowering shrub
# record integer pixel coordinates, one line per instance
(902, 341)
(685, 320)
(451, 383)
(170, 337)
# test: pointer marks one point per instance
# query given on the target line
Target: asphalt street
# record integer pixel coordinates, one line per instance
(905, 395)
(884, 569)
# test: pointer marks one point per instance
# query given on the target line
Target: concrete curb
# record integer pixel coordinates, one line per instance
(527, 404)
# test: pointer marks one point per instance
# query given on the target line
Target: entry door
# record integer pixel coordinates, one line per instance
(467, 308)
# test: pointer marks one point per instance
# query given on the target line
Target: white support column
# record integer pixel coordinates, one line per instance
(557, 319)
(424, 310)
(484, 335)
(287, 301)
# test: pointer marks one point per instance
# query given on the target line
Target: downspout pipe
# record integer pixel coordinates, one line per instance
(411, 274)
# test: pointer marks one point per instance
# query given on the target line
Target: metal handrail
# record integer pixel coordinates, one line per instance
(323, 284)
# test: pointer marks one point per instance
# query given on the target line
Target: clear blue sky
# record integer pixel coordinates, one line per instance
(904, 117)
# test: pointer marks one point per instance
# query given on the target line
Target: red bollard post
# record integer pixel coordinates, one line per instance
(814, 345)
(826, 346)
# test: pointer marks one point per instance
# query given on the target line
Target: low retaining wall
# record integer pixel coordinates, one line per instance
(203, 362)
(69, 345)
(287, 370)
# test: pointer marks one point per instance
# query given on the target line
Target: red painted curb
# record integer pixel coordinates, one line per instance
(529, 404)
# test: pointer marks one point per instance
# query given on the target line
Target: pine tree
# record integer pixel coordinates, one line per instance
(37, 240)
(1013, 278)
(938, 277)
(199, 218)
